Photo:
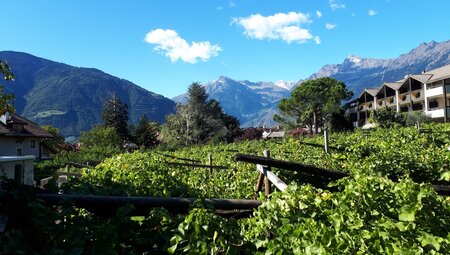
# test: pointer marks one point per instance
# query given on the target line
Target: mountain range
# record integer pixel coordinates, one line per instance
(255, 103)
(71, 98)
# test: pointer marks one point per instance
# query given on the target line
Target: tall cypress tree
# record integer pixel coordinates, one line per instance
(5, 98)
(115, 115)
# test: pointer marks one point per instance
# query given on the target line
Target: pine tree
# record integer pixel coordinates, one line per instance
(115, 115)
(199, 121)
(146, 132)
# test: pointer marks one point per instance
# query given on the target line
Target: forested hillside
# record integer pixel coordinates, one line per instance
(71, 98)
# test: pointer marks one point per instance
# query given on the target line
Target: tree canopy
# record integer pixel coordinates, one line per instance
(101, 137)
(57, 140)
(115, 115)
(313, 103)
(199, 121)
(146, 132)
(5, 98)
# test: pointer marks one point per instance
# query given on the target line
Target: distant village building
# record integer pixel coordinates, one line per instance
(428, 92)
(269, 133)
(130, 146)
(21, 142)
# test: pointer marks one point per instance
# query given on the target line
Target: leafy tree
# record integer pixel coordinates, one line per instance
(146, 132)
(251, 133)
(5, 98)
(340, 122)
(417, 118)
(57, 140)
(313, 103)
(115, 115)
(101, 137)
(388, 117)
(198, 121)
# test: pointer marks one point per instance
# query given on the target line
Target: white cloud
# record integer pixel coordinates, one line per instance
(372, 12)
(330, 26)
(280, 26)
(231, 4)
(171, 45)
(219, 8)
(335, 5)
(318, 14)
(317, 40)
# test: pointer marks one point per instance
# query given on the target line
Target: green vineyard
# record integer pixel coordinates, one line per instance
(387, 204)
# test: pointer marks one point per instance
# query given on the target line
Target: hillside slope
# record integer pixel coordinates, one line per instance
(71, 98)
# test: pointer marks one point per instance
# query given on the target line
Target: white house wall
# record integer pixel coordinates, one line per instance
(8, 146)
(7, 169)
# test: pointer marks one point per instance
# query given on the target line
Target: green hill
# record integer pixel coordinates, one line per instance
(71, 98)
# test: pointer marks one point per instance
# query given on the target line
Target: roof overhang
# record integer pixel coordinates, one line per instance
(16, 158)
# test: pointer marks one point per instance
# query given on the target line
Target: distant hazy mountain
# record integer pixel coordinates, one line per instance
(71, 98)
(359, 73)
(256, 103)
(253, 103)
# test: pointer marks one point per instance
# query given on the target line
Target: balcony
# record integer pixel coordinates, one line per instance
(436, 91)
(381, 103)
(390, 101)
(436, 112)
(417, 95)
(404, 98)
(365, 107)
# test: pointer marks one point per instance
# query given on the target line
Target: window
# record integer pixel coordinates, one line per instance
(404, 109)
(32, 143)
(433, 104)
(19, 151)
(434, 84)
(18, 173)
(417, 107)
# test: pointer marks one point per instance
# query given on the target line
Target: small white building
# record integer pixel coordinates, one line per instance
(273, 134)
(20, 136)
(19, 168)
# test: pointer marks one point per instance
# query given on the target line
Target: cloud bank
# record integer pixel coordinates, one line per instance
(334, 5)
(330, 26)
(280, 26)
(372, 12)
(171, 45)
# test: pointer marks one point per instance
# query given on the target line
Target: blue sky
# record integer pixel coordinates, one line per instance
(164, 46)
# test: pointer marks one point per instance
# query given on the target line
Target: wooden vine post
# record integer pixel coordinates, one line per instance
(266, 179)
(327, 146)
(210, 160)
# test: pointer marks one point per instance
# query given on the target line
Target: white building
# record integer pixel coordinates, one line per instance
(428, 92)
(21, 142)
(19, 168)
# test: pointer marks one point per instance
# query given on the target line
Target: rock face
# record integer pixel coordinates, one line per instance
(360, 73)
(71, 98)
(255, 103)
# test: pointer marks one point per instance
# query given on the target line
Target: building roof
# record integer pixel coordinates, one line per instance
(371, 91)
(393, 85)
(423, 78)
(30, 129)
(439, 73)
